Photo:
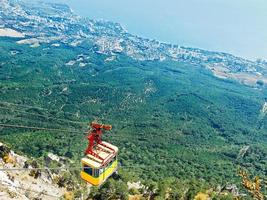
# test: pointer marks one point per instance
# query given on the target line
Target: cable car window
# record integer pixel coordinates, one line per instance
(96, 172)
(110, 163)
(114, 159)
(87, 169)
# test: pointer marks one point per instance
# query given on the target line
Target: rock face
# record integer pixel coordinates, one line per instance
(57, 24)
(52, 157)
(10, 33)
(16, 183)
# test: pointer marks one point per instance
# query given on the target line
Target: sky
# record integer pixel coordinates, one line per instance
(233, 26)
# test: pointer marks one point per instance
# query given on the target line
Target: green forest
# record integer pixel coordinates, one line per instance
(176, 124)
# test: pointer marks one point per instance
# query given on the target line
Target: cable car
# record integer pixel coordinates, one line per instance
(100, 160)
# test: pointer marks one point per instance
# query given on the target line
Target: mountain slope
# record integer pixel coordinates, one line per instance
(172, 117)
(22, 181)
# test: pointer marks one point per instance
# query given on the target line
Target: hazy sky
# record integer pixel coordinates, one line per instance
(233, 26)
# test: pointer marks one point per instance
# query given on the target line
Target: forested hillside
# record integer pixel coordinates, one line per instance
(185, 120)
(171, 120)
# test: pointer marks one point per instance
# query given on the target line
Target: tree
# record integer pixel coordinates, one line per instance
(112, 190)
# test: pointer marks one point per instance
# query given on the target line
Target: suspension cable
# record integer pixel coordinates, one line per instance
(62, 168)
(36, 128)
(48, 117)
(47, 110)
(35, 107)
(42, 169)
(45, 168)
(57, 130)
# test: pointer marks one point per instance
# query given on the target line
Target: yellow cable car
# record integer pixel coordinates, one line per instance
(100, 161)
(92, 169)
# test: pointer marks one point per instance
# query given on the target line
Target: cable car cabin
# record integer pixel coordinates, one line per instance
(97, 167)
